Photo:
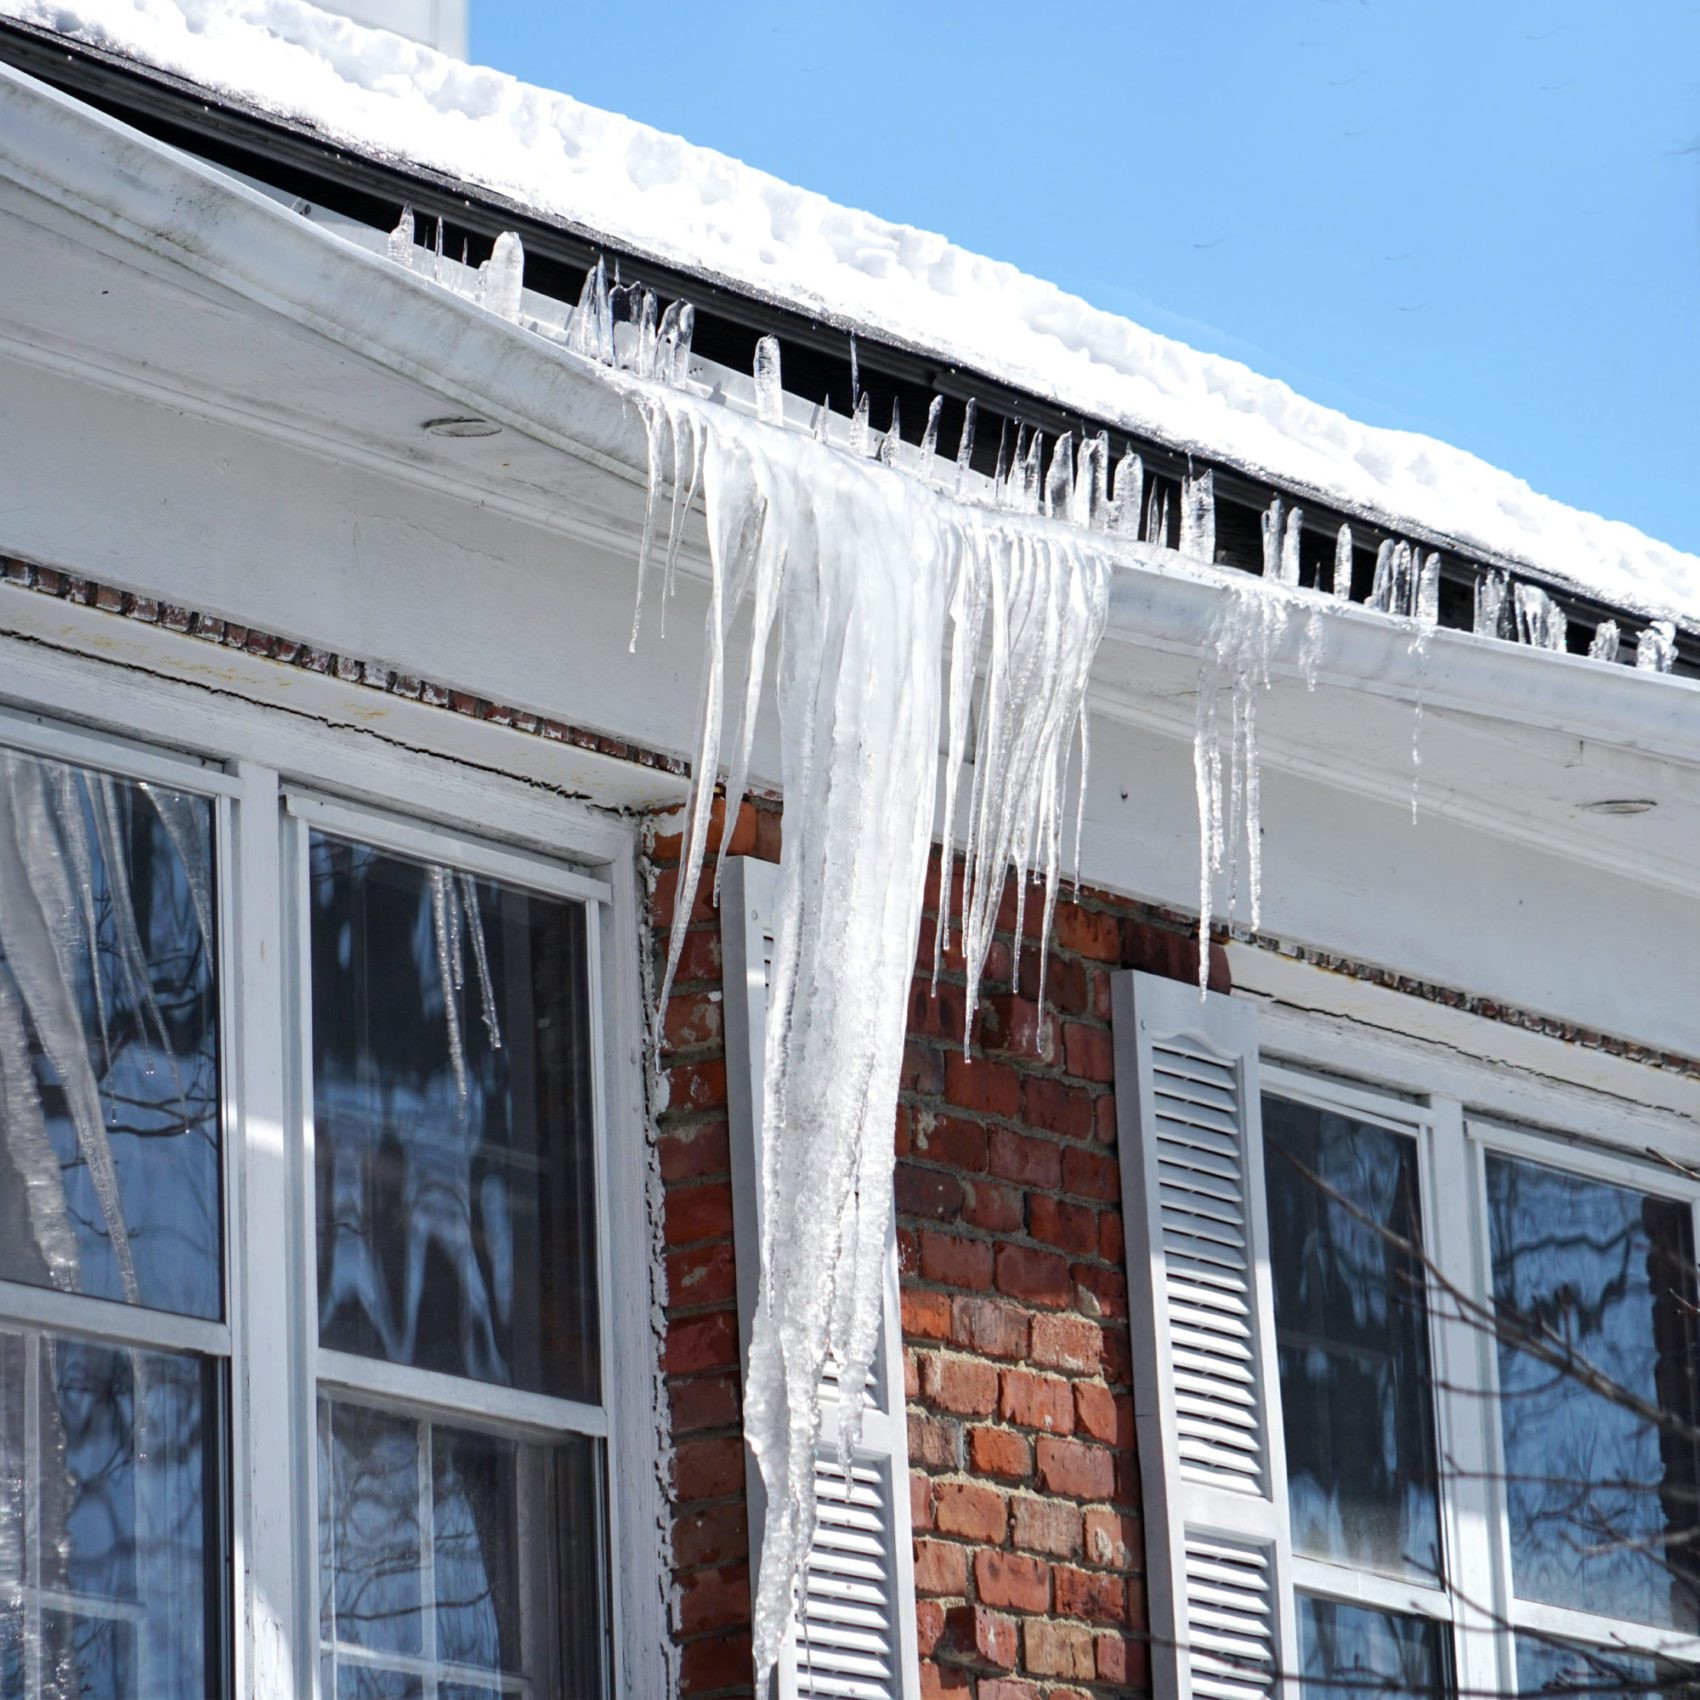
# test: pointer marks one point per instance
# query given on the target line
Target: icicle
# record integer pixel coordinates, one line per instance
(855, 376)
(1157, 518)
(437, 260)
(480, 958)
(23, 1133)
(930, 437)
(1272, 541)
(1428, 594)
(1291, 541)
(505, 279)
(647, 350)
(1095, 479)
(1342, 586)
(893, 438)
(400, 247)
(652, 421)
(448, 972)
(1032, 469)
(1381, 591)
(1607, 641)
(1310, 648)
(770, 395)
(1058, 497)
(859, 428)
(1128, 496)
(1492, 588)
(1541, 623)
(1198, 516)
(683, 424)
(1655, 648)
(818, 422)
(965, 446)
(673, 343)
(1000, 472)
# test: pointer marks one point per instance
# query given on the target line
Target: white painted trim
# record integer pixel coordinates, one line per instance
(105, 752)
(453, 1399)
(434, 844)
(111, 1320)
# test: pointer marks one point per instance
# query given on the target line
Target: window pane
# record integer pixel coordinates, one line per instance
(109, 1127)
(108, 1521)
(452, 1106)
(1552, 1667)
(450, 1553)
(1354, 1653)
(1594, 1489)
(1351, 1324)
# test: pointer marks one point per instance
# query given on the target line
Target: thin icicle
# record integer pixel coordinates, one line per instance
(480, 957)
(1607, 641)
(448, 974)
(859, 428)
(1292, 541)
(965, 446)
(930, 436)
(770, 394)
(1272, 521)
(437, 257)
(1198, 516)
(1058, 496)
(1342, 585)
(855, 376)
(1095, 479)
(400, 246)
(893, 438)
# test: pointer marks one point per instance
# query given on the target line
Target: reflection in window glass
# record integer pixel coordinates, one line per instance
(109, 1132)
(1353, 1653)
(1601, 1501)
(108, 1503)
(461, 1560)
(1553, 1667)
(452, 1107)
(1352, 1329)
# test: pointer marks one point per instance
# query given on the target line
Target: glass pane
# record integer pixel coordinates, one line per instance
(109, 1586)
(1351, 1324)
(1597, 1281)
(505, 1590)
(1354, 1653)
(109, 1126)
(452, 1105)
(1552, 1667)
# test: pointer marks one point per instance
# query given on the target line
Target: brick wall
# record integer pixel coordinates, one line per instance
(1029, 1551)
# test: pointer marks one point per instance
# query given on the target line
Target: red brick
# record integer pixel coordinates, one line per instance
(693, 1018)
(700, 1342)
(1013, 1025)
(929, 1626)
(1088, 932)
(923, 1069)
(927, 1192)
(665, 896)
(1114, 1541)
(697, 1085)
(967, 1385)
(1006, 1688)
(988, 1326)
(1057, 1107)
(920, 1501)
(926, 1316)
(978, 1636)
(715, 1536)
(1036, 1401)
(1067, 1342)
(966, 1508)
(937, 1011)
(972, 1083)
(1038, 1277)
(998, 1452)
(1117, 1361)
(1046, 1525)
(1124, 1660)
(769, 834)
(719, 1661)
(1104, 1119)
(1102, 1415)
(1032, 1162)
(950, 1141)
(698, 1213)
(708, 1469)
(1099, 1292)
(1095, 1598)
(1073, 1468)
(1058, 1649)
(692, 1151)
(699, 959)
(940, 1568)
(1088, 1053)
(1089, 1174)
(669, 841)
(911, 1376)
(1067, 985)
(1072, 1227)
(935, 1444)
(714, 1599)
(1009, 1580)
(701, 1275)
(944, 1682)
(1112, 1245)
(704, 1401)
(991, 1206)
(956, 1262)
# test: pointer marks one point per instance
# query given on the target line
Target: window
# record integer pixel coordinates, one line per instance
(113, 1347)
(1435, 1416)
(310, 1378)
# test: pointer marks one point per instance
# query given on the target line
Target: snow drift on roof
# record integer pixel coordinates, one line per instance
(656, 195)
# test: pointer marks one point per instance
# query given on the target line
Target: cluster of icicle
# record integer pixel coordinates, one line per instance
(1524, 613)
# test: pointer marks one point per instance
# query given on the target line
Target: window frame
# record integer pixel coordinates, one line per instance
(242, 745)
(1304, 1057)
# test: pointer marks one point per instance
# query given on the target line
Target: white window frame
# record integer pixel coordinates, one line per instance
(1304, 1058)
(69, 705)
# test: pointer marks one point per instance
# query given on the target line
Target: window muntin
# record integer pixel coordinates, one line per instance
(1595, 1279)
(1351, 1324)
(112, 1444)
(458, 1299)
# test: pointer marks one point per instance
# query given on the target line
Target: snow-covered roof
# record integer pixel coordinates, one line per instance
(654, 194)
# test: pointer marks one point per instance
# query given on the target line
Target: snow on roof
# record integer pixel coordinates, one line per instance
(654, 194)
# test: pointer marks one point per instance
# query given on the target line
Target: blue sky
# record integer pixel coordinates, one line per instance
(1479, 221)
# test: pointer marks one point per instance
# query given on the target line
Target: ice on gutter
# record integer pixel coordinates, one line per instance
(656, 195)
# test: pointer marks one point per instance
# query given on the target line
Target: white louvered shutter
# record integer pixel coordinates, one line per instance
(1206, 1381)
(855, 1638)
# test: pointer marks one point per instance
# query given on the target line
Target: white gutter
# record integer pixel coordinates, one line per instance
(194, 216)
